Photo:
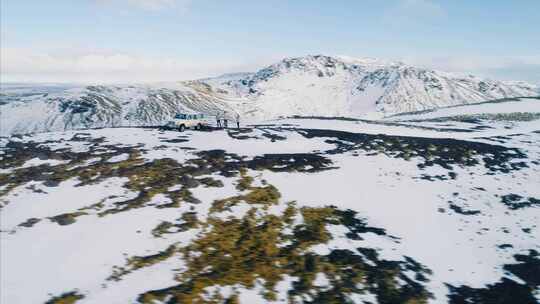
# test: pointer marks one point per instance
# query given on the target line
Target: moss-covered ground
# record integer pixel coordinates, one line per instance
(261, 247)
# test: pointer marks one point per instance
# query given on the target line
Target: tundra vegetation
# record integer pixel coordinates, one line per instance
(254, 239)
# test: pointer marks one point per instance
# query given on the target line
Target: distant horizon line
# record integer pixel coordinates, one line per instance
(343, 58)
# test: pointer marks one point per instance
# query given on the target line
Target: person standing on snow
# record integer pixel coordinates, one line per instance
(225, 120)
(218, 120)
(237, 121)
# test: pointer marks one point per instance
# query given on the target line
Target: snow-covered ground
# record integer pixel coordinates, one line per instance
(517, 105)
(104, 215)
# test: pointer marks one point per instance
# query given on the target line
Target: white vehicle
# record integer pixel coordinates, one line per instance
(181, 122)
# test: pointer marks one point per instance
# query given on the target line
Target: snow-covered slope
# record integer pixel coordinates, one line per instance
(293, 211)
(102, 106)
(507, 107)
(311, 85)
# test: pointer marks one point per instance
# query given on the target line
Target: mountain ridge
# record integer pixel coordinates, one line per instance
(310, 85)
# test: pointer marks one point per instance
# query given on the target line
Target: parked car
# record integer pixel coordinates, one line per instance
(181, 122)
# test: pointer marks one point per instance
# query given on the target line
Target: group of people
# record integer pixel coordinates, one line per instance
(222, 121)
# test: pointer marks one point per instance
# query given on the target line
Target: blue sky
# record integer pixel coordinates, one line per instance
(152, 40)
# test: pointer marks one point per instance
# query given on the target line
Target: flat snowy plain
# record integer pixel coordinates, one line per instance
(412, 208)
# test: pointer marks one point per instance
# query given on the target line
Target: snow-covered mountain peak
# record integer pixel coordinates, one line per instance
(319, 65)
(368, 62)
(323, 65)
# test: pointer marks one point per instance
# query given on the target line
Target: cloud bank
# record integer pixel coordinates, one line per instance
(102, 66)
(22, 65)
(525, 68)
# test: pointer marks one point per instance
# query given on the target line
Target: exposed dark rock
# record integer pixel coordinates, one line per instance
(516, 201)
(30, 222)
(460, 210)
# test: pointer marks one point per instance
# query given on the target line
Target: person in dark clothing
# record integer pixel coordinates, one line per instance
(237, 121)
(218, 121)
(225, 120)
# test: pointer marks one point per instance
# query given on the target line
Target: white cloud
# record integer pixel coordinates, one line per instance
(25, 65)
(498, 67)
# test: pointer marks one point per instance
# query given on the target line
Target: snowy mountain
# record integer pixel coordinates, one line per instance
(311, 85)
(328, 86)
